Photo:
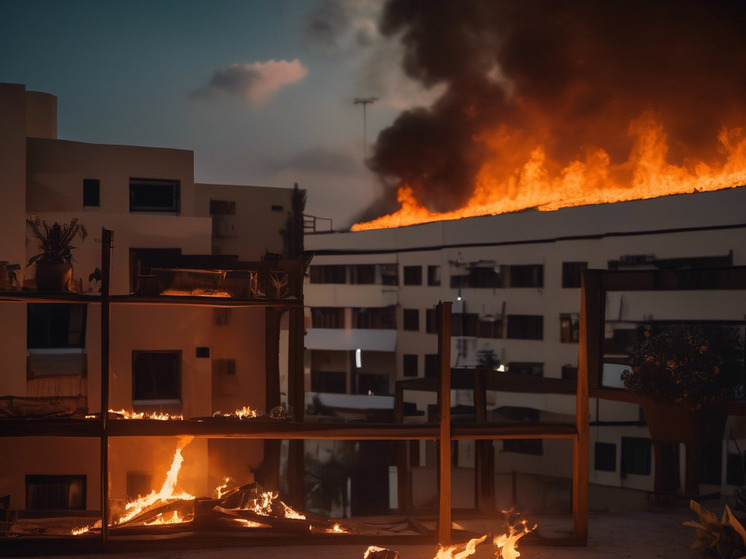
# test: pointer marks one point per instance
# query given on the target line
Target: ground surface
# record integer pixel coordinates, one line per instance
(642, 535)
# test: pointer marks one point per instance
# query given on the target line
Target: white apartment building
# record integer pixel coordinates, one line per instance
(514, 282)
(187, 360)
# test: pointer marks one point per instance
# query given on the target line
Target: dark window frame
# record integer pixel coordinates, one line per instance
(410, 365)
(411, 320)
(142, 201)
(41, 487)
(412, 275)
(525, 327)
(148, 383)
(91, 193)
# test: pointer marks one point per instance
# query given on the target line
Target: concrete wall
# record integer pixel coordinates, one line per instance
(261, 214)
(56, 169)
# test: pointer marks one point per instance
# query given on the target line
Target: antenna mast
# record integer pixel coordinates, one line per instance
(365, 101)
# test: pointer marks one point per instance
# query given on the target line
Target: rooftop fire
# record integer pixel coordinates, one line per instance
(550, 105)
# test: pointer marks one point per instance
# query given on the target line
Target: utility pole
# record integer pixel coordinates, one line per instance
(365, 101)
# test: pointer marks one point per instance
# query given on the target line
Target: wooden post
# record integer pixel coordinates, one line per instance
(297, 402)
(271, 459)
(106, 240)
(444, 415)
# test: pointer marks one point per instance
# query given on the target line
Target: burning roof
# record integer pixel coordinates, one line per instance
(556, 103)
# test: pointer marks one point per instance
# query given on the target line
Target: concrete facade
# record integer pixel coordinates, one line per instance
(57, 180)
(513, 280)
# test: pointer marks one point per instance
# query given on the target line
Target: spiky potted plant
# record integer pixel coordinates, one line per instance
(54, 262)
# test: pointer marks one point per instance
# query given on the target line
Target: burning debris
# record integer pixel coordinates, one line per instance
(562, 103)
(504, 544)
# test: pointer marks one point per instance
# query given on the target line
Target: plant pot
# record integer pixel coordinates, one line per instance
(53, 277)
(672, 424)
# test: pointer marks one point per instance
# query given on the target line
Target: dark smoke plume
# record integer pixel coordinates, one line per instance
(564, 73)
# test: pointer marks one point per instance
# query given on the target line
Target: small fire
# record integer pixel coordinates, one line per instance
(248, 523)
(81, 531)
(166, 492)
(505, 544)
(520, 175)
(452, 551)
(163, 519)
(242, 413)
(223, 488)
(146, 415)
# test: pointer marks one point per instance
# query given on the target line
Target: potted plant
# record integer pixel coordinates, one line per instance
(54, 262)
(685, 373)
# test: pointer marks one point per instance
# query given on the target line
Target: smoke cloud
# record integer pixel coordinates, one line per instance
(257, 82)
(565, 74)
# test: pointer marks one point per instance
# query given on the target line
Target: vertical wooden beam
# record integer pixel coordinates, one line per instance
(297, 402)
(271, 459)
(106, 245)
(589, 353)
(444, 415)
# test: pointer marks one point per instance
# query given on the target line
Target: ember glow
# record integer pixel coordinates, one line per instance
(146, 415)
(245, 412)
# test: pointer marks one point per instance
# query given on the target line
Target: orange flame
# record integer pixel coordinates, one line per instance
(146, 415)
(505, 544)
(520, 175)
(241, 413)
(166, 492)
(451, 552)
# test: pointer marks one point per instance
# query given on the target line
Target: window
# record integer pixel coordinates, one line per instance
(572, 272)
(431, 321)
(489, 328)
(409, 365)
(569, 328)
(433, 275)
(55, 325)
(371, 383)
(377, 318)
(478, 277)
(526, 368)
(525, 327)
(531, 275)
(604, 457)
(389, 275)
(55, 492)
(569, 372)
(327, 317)
(154, 195)
(412, 275)
(636, 456)
(91, 193)
(222, 207)
(412, 319)
(524, 446)
(328, 274)
(156, 377)
(431, 365)
(329, 381)
(363, 274)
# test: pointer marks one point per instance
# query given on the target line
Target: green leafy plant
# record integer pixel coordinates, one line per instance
(724, 538)
(693, 365)
(54, 241)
